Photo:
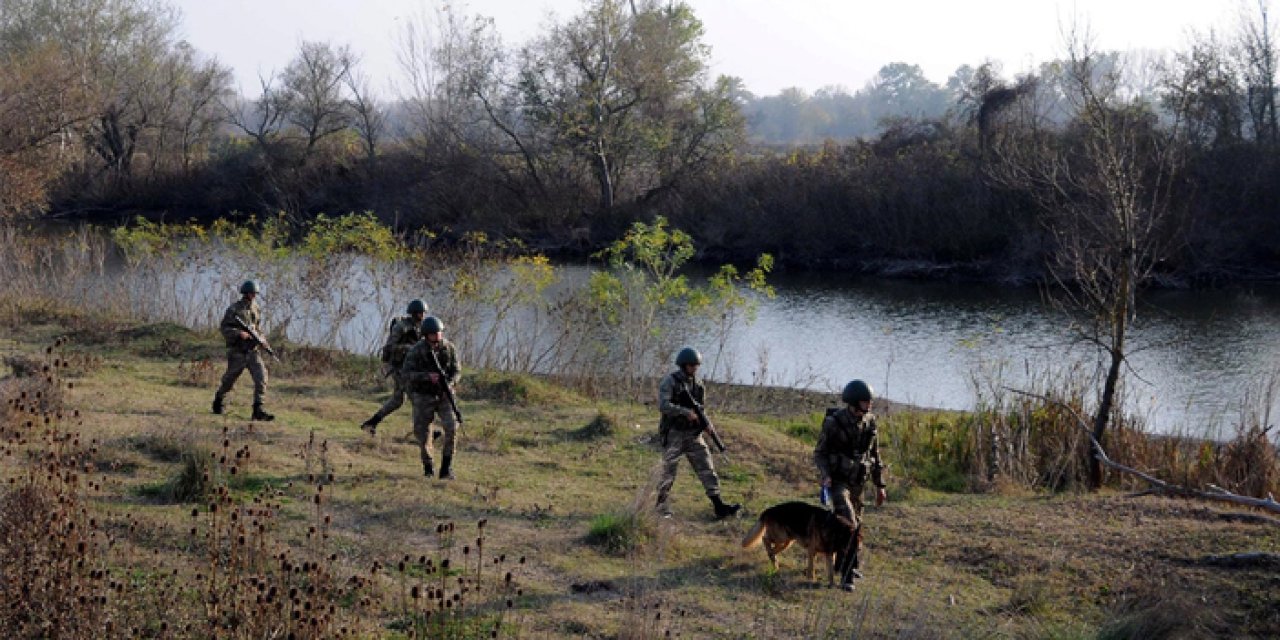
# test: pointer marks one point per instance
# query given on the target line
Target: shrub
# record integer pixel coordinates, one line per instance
(619, 532)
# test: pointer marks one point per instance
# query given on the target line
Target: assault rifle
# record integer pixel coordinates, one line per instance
(255, 336)
(444, 382)
(702, 418)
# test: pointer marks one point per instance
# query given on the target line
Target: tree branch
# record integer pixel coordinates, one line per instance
(1216, 493)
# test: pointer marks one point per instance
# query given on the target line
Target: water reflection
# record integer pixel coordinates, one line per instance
(1193, 353)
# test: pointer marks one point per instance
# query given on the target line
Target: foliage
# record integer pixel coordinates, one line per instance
(644, 281)
(619, 532)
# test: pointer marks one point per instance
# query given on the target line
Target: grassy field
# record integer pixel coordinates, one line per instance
(554, 490)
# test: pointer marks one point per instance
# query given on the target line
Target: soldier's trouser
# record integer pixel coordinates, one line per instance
(426, 408)
(237, 361)
(846, 500)
(688, 443)
(392, 403)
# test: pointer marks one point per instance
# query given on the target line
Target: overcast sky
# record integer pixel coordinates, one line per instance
(770, 44)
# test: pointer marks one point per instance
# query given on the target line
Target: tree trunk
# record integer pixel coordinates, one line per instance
(605, 179)
(1104, 415)
(1120, 325)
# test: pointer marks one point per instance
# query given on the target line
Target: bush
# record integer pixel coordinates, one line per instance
(619, 532)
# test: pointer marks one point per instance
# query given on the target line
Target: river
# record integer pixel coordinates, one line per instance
(1195, 356)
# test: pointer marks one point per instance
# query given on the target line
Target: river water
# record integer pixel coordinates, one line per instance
(1195, 356)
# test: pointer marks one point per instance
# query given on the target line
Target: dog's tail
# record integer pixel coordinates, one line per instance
(754, 536)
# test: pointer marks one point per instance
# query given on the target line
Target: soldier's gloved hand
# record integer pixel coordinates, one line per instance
(693, 416)
(244, 335)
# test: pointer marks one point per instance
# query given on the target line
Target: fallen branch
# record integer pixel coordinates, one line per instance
(1216, 493)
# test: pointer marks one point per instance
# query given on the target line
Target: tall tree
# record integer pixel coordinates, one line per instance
(623, 85)
(313, 88)
(1104, 187)
(40, 101)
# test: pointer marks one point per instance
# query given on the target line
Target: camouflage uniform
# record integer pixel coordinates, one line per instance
(848, 452)
(429, 400)
(403, 335)
(242, 354)
(681, 437)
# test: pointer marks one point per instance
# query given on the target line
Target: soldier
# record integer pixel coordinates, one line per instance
(428, 367)
(682, 433)
(847, 453)
(403, 334)
(242, 350)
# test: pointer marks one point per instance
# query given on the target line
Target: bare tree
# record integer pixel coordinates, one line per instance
(368, 117)
(462, 91)
(1258, 66)
(262, 119)
(312, 86)
(1103, 184)
(197, 100)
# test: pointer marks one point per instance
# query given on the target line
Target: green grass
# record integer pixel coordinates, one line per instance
(619, 532)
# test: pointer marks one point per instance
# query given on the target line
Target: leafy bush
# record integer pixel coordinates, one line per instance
(619, 532)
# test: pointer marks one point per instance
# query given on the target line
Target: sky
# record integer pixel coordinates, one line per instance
(770, 44)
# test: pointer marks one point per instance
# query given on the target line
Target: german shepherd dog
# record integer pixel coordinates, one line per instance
(819, 531)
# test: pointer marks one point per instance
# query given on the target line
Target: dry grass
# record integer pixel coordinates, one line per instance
(349, 536)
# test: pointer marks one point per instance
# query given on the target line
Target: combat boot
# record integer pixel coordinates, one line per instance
(445, 472)
(724, 510)
(217, 405)
(850, 571)
(370, 425)
(259, 414)
(664, 507)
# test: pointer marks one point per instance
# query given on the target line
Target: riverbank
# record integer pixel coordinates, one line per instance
(562, 482)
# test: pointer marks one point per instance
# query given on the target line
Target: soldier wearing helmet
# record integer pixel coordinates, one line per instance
(428, 367)
(682, 433)
(403, 333)
(847, 455)
(242, 350)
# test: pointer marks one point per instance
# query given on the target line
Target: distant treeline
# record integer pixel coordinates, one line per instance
(610, 117)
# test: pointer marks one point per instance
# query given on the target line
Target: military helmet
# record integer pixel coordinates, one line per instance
(249, 286)
(857, 391)
(416, 306)
(432, 324)
(688, 355)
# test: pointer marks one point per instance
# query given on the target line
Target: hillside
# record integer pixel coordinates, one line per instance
(540, 467)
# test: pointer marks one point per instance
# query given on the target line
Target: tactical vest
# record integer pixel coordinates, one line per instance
(247, 312)
(848, 446)
(681, 399)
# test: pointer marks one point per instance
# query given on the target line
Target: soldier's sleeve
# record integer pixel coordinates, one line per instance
(820, 452)
(453, 370)
(877, 465)
(666, 389)
(228, 327)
